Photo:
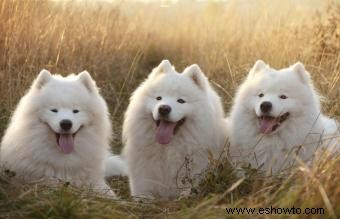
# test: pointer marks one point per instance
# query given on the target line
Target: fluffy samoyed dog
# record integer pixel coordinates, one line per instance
(276, 119)
(173, 125)
(60, 130)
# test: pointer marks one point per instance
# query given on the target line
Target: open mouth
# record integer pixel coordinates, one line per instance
(65, 141)
(166, 130)
(269, 124)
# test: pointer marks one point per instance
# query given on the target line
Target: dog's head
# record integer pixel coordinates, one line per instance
(277, 96)
(66, 105)
(173, 98)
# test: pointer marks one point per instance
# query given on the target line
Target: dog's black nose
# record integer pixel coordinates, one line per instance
(266, 107)
(164, 110)
(65, 124)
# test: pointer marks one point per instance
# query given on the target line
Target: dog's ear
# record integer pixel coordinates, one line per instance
(300, 70)
(164, 67)
(43, 77)
(258, 67)
(85, 78)
(196, 74)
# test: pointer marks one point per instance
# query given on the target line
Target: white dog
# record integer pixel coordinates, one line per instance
(173, 124)
(60, 130)
(276, 118)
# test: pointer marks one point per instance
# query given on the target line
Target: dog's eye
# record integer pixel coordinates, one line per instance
(75, 111)
(261, 95)
(283, 96)
(158, 98)
(181, 101)
(54, 110)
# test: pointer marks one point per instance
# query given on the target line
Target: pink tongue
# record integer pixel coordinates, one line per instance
(267, 124)
(164, 132)
(66, 143)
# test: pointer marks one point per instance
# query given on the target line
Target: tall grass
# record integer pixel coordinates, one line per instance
(120, 42)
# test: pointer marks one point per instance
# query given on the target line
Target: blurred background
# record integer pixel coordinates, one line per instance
(119, 42)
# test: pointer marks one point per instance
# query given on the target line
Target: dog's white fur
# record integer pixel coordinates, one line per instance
(29, 146)
(114, 166)
(163, 171)
(301, 133)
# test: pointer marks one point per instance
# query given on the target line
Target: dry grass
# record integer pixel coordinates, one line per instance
(119, 43)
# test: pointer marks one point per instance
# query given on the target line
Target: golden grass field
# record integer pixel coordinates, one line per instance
(120, 42)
